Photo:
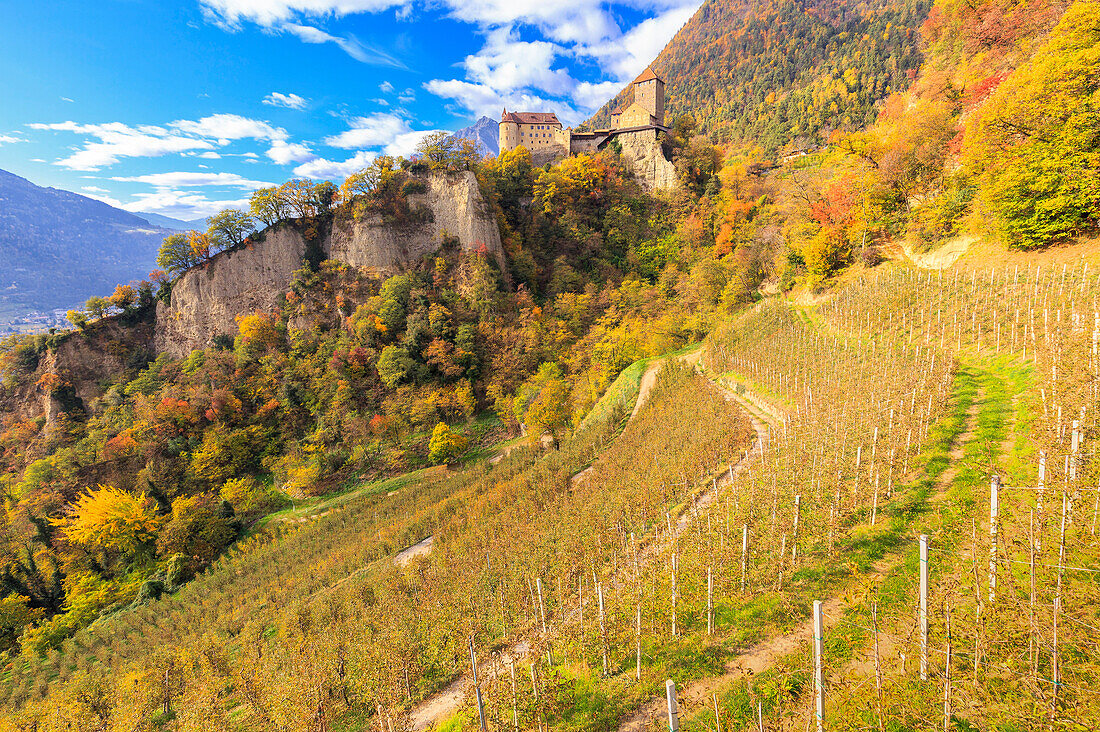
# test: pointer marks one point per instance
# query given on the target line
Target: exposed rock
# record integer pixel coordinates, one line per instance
(642, 151)
(206, 300)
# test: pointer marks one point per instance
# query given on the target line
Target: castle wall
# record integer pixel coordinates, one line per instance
(540, 137)
(509, 136)
(636, 115)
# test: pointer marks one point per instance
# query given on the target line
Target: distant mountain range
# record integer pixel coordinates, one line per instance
(485, 132)
(167, 222)
(59, 248)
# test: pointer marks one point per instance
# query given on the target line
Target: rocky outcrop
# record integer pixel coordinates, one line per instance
(457, 210)
(206, 300)
(642, 151)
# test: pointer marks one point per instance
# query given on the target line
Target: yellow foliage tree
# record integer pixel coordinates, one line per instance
(112, 519)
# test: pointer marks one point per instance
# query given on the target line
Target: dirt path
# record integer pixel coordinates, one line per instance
(420, 549)
(448, 701)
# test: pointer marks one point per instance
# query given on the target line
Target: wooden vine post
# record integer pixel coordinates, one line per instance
(994, 514)
(710, 601)
(947, 675)
(819, 676)
(744, 555)
(794, 529)
(603, 629)
(477, 687)
(673, 706)
(924, 607)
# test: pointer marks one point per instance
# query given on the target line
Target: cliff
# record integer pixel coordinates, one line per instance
(642, 151)
(206, 300)
(72, 369)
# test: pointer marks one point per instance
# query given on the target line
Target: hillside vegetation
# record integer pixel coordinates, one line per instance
(209, 542)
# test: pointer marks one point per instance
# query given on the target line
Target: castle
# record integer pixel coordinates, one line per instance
(637, 128)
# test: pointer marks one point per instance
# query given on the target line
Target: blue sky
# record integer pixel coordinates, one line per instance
(184, 107)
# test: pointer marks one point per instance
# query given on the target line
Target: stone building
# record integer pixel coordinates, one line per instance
(636, 127)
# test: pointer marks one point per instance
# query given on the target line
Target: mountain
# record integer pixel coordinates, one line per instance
(485, 132)
(782, 71)
(167, 222)
(59, 248)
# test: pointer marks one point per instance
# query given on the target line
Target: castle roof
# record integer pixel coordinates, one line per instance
(530, 118)
(648, 75)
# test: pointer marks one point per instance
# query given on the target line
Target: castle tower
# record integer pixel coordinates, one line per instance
(649, 93)
(509, 131)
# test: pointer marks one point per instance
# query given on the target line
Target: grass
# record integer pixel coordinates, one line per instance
(308, 507)
(624, 389)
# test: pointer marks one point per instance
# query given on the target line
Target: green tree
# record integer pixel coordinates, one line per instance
(229, 228)
(175, 254)
(267, 205)
(395, 365)
(97, 306)
(439, 150)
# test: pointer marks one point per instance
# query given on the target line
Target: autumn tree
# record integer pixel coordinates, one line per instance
(268, 205)
(123, 297)
(200, 527)
(445, 444)
(542, 402)
(1036, 147)
(111, 518)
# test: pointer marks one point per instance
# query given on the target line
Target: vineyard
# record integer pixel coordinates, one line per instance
(801, 454)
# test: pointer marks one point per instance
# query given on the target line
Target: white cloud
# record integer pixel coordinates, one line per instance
(9, 139)
(209, 155)
(94, 189)
(481, 100)
(230, 13)
(407, 97)
(386, 87)
(290, 101)
(627, 55)
(377, 129)
(115, 141)
(507, 63)
(183, 179)
(184, 205)
(284, 153)
(593, 96)
(513, 71)
(321, 169)
(229, 127)
(405, 144)
(350, 45)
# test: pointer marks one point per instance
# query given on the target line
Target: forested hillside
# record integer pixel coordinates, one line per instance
(780, 73)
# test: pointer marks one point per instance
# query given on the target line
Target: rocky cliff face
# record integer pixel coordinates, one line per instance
(642, 150)
(207, 299)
